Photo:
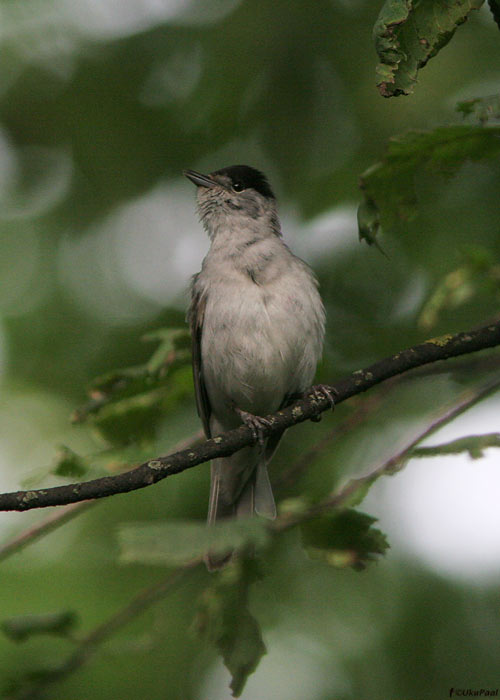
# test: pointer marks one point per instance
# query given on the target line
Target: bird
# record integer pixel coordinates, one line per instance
(257, 326)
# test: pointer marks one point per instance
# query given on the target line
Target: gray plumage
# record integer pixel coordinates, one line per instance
(257, 324)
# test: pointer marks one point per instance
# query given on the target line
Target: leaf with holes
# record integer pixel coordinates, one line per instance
(407, 34)
(345, 538)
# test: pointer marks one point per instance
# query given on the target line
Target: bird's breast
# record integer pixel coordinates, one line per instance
(260, 342)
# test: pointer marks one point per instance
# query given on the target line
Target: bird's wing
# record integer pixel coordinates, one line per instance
(196, 316)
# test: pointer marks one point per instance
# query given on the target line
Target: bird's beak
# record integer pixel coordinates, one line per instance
(199, 179)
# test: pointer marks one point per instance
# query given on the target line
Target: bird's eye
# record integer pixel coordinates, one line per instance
(237, 186)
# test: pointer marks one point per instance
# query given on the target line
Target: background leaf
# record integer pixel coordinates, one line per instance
(389, 186)
(223, 619)
(483, 109)
(174, 543)
(126, 405)
(21, 628)
(345, 538)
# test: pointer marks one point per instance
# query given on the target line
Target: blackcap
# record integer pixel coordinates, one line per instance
(257, 324)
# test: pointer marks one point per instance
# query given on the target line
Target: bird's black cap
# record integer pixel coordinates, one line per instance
(247, 177)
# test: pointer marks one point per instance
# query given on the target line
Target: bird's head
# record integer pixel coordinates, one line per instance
(237, 198)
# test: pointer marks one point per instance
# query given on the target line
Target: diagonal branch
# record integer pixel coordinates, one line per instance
(47, 525)
(224, 445)
(355, 489)
(89, 645)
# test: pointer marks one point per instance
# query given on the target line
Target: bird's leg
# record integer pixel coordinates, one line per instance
(319, 392)
(255, 423)
(323, 391)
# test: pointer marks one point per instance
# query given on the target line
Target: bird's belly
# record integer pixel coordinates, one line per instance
(254, 352)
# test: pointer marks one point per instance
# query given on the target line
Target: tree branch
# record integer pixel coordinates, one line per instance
(355, 487)
(364, 408)
(224, 445)
(66, 513)
(88, 646)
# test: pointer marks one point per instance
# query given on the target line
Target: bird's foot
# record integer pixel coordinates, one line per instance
(255, 423)
(320, 392)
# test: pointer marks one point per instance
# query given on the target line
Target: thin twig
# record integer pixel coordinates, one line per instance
(389, 466)
(473, 444)
(44, 527)
(364, 409)
(88, 646)
(224, 445)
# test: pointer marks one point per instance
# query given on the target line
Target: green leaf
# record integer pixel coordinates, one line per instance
(295, 506)
(345, 538)
(407, 34)
(174, 342)
(224, 620)
(21, 628)
(69, 463)
(389, 186)
(128, 403)
(132, 418)
(177, 542)
(473, 444)
(121, 419)
(66, 464)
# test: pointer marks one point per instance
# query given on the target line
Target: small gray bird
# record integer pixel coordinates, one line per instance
(257, 325)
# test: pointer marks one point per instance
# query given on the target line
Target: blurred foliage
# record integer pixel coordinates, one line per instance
(483, 109)
(69, 463)
(345, 538)
(126, 405)
(390, 186)
(101, 108)
(224, 619)
(19, 629)
(175, 542)
(478, 275)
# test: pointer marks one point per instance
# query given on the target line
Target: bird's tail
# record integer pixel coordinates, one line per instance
(239, 487)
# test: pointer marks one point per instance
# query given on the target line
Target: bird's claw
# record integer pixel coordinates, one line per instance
(323, 391)
(256, 425)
